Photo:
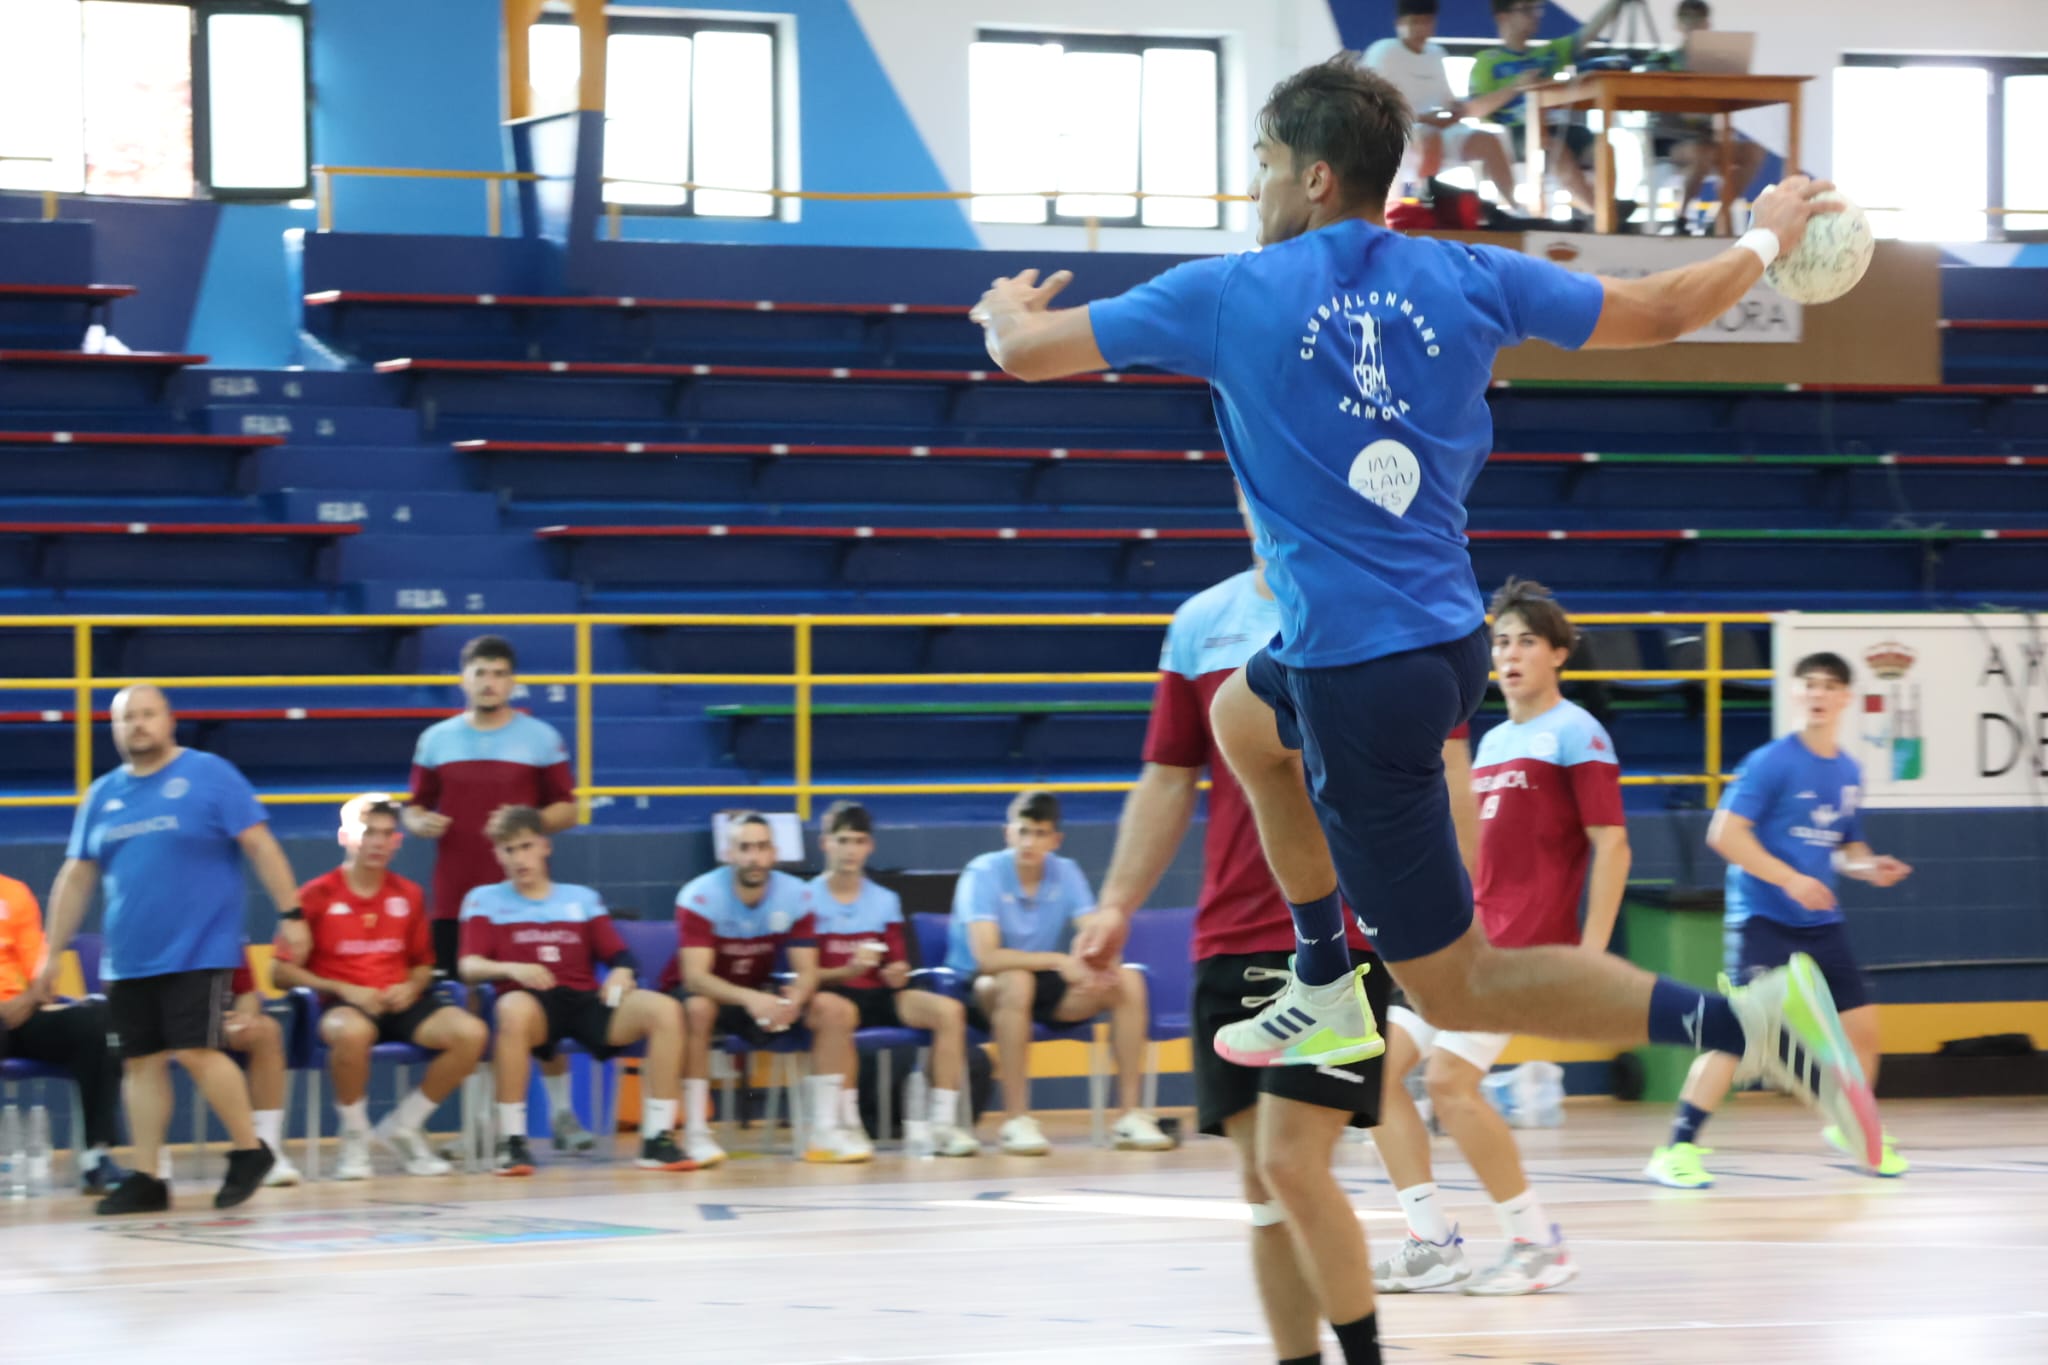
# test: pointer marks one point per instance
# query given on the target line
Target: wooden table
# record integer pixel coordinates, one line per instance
(1662, 92)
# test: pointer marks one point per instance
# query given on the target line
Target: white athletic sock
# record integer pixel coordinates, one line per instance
(696, 1106)
(355, 1118)
(1523, 1219)
(945, 1108)
(413, 1112)
(824, 1114)
(558, 1093)
(90, 1159)
(270, 1128)
(1425, 1215)
(512, 1120)
(849, 1108)
(656, 1117)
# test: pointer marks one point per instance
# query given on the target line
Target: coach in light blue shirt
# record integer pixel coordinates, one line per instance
(165, 834)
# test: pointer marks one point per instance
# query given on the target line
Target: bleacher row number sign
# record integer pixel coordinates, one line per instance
(1950, 710)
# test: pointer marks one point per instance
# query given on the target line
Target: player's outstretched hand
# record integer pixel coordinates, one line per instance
(1786, 208)
(1886, 870)
(1019, 293)
(1811, 892)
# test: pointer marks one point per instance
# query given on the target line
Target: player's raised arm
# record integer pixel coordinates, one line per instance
(1030, 340)
(1663, 307)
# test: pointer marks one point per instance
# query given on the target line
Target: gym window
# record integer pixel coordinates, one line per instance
(1930, 143)
(1099, 118)
(687, 101)
(155, 98)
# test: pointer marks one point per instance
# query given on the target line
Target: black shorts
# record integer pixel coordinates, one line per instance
(1224, 1088)
(877, 1004)
(1758, 944)
(179, 1010)
(1578, 140)
(580, 1016)
(1371, 736)
(400, 1027)
(447, 946)
(1048, 989)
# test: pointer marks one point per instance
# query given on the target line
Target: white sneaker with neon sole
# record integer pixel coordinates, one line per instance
(948, 1140)
(1300, 1025)
(1525, 1268)
(700, 1147)
(1794, 1041)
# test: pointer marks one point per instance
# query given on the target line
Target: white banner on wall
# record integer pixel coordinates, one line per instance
(1949, 710)
(1764, 315)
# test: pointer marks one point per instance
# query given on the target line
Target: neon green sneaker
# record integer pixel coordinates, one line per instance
(1891, 1166)
(1794, 1041)
(1304, 1025)
(1678, 1166)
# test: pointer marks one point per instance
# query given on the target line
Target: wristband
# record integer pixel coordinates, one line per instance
(1762, 242)
(294, 913)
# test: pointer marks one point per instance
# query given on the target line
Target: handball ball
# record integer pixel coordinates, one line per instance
(1829, 259)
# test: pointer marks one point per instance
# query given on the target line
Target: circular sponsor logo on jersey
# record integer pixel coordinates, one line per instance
(778, 923)
(396, 907)
(1386, 474)
(176, 788)
(1544, 746)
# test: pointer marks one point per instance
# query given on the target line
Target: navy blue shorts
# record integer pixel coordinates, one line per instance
(1757, 944)
(1371, 737)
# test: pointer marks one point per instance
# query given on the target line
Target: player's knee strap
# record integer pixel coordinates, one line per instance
(1268, 1214)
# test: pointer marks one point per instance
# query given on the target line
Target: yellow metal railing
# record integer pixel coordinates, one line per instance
(494, 183)
(803, 682)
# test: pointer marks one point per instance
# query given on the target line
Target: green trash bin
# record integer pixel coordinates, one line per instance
(1674, 931)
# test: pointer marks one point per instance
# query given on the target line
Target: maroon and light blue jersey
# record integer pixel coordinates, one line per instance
(745, 939)
(1540, 784)
(568, 931)
(874, 916)
(466, 773)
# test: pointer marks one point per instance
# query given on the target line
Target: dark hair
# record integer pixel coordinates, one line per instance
(509, 822)
(489, 647)
(735, 818)
(387, 808)
(1834, 665)
(1339, 112)
(1503, 6)
(1530, 600)
(849, 817)
(1404, 8)
(1694, 7)
(1039, 807)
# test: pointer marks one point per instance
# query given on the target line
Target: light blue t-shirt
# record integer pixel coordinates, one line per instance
(1350, 367)
(988, 893)
(1804, 807)
(169, 864)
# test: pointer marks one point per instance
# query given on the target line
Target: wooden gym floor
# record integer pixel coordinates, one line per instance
(1081, 1257)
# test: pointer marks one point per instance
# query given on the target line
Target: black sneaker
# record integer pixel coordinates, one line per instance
(514, 1157)
(246, 1168)
(138, 1192)
(661, 1154)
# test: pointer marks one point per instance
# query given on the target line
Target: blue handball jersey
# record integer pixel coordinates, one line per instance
(1803, 807)
(169, 864)
(988, 892)
(1350, 368)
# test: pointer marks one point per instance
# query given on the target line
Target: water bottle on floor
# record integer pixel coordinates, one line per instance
(917, 1117)
(39, 1155)
(13, 1160)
